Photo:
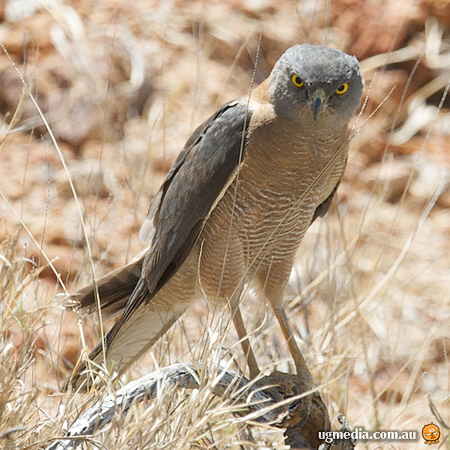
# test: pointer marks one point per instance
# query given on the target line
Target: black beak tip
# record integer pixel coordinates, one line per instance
(316, 107)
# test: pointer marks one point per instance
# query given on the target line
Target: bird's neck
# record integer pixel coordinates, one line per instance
(286, 144)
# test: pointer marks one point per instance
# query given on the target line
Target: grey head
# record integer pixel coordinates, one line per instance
(316, 86)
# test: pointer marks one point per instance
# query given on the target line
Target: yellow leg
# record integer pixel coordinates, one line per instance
(299, 361)
(245, 342)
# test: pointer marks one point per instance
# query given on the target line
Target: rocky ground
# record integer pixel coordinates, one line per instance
(119, 86)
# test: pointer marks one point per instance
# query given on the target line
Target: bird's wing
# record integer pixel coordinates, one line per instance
(193, 186)
(322, 209)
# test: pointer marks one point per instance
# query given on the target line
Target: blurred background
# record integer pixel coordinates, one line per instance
(121, 85)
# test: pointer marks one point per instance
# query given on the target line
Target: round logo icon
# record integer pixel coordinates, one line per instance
(431, 433)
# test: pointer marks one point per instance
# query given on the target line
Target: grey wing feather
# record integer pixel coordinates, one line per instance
(322, 209)
(210, 157)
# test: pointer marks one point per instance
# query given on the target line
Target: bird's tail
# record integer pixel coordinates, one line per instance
(128, 344)
(129, 338)
(114, 289)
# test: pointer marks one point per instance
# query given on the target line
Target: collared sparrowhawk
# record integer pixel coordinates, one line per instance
(236, 204)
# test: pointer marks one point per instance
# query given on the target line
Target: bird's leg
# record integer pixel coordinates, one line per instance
(308, 413)
(245, 343)
(299, 361)
(243, 337)
(271, 282)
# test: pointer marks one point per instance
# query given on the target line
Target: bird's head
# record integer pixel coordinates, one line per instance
(310, 83)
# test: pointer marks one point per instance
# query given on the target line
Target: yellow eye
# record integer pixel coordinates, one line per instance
(342, 89)
(297, 81)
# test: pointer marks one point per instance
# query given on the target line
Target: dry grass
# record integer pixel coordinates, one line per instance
(369, 295)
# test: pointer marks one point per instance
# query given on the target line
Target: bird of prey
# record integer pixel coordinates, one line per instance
(235, 206)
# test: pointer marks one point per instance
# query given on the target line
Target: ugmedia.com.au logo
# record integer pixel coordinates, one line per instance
(359, 434)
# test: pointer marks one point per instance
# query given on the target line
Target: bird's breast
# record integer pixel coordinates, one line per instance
(284, 177)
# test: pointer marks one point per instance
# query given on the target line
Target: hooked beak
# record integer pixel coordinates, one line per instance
(317, 102)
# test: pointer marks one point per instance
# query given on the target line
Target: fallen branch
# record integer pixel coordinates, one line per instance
(280, 399)
(257, 402)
